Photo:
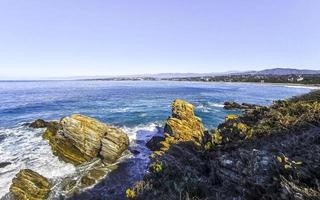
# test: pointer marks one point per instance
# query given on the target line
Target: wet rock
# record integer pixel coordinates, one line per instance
(92, 177)
(4, 164)
(183, 125)
(39, 123)
(29, 185)
(2, 137)
(155, 143)
(69, 185)
(134, 151)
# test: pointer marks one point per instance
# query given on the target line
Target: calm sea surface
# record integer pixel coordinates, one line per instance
(139, 108)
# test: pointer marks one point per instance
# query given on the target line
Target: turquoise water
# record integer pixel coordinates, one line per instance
(139, 108)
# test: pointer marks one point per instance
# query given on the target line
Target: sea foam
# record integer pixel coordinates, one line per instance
(25, 148)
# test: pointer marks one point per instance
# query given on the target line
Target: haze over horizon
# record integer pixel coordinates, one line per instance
(43, 39)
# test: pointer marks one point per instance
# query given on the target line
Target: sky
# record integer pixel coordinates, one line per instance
(63, 38)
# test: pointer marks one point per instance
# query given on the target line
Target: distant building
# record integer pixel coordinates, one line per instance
(300, 79)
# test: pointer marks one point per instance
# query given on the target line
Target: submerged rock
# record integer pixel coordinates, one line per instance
(29, 185)
(78, 139)
(183, 125)
(4, 164)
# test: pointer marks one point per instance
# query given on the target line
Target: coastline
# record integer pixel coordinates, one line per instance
(294, 85)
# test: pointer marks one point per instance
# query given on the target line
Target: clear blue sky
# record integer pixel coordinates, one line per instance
(52, 38)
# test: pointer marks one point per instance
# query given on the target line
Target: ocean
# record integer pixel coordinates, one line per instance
(140, 108)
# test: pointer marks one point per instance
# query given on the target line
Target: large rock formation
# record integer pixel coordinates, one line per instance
(183, 125)
(29, 185)
(77, 139)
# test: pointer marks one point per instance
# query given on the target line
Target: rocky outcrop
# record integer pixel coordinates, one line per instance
(183, 125)
(78, 138)
(229, 105)
(39, 123)
(29, 185)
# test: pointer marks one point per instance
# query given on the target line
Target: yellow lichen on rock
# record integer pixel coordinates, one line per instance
(231, 117)
(131, 194)
(183, 125)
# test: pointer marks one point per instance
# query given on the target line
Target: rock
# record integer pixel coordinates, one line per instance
(229, 105)
(29, 185)
(85, 133)
(92, 177)
(155, 143)
(184, 125)
(78, 139)
(114, 143)
(4, 164)
(134, 151)
(39, 123)
(63, 148)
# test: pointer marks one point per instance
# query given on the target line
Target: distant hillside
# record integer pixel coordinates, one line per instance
(159, 76)
(283, 71)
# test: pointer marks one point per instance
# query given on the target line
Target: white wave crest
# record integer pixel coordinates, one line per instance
(215, 105)
(25, 148)
(141, 132)
(303, 87)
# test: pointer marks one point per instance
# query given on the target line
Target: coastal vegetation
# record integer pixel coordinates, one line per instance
(265, 153)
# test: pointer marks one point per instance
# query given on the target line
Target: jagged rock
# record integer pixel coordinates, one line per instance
(229, 105)
(77, 139)
(155, 143)
(184, 125)
(29, 185)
